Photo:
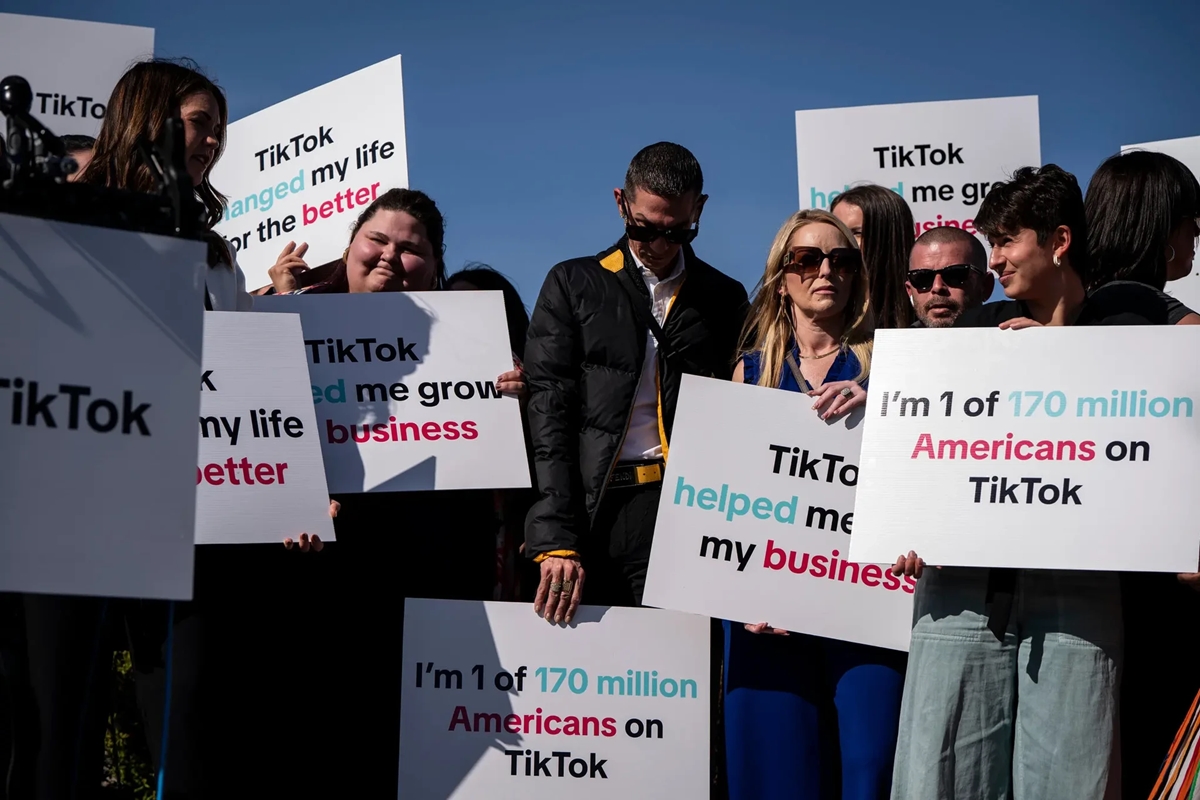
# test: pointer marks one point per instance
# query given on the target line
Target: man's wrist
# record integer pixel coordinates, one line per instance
(540, 557)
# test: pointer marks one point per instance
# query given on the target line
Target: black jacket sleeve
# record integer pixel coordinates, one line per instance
(552, 367)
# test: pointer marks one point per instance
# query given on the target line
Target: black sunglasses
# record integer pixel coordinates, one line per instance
(807, 261)
(680, 234)
(955, 276)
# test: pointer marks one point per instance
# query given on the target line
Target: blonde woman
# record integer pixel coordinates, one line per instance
(786, 694)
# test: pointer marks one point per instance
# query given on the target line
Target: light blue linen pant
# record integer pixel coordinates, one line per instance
(1032, 717)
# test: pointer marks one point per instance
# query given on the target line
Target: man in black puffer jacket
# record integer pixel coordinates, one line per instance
(610, 337)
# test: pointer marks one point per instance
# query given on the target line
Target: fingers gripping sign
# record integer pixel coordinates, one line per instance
(837, 398)
(560, 590)
(287, 267)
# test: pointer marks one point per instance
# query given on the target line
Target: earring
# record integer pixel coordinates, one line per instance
(1057, 263)
(345, 254)
(1171, 257)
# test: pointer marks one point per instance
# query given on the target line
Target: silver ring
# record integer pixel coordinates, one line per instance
(846, 391)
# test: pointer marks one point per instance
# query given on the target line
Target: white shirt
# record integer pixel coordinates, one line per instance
(642, 440)
(226, 287)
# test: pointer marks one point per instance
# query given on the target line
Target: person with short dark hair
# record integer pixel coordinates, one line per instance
(78, 147)
(882, 224)
(1013, 679)
(947, 275)
(610, 338)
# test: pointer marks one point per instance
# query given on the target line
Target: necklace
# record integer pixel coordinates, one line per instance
(819, 355)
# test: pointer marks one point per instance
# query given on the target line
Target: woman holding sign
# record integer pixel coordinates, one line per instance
(230, 636)
(1013, 677)
(390, 545)
(812, 330)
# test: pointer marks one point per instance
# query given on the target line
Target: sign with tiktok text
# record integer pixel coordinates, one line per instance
(755, 519)
(304, 169)
(1187, 150)
(1044, 448)
(99, 391)
(260, 478)
(941, 157)
(72, 66)
(404, 385)
(616, 704)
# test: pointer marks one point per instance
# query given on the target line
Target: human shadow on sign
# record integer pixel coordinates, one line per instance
(49, 298)
(446, 730)
(146, 271)
(474, 717)
(850, 421)
(381, 417)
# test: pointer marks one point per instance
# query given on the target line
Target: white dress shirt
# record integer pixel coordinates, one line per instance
(642, 440)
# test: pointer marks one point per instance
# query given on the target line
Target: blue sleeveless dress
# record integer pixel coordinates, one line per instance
(808, 718)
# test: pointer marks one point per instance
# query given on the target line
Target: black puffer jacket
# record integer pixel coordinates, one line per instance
(583, 359)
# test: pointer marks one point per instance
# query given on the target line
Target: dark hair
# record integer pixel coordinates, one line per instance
(74, 142)
(1134, 202)
(666, 170)
(887, 241)
(417, 205)
(481, 276)
(1040, 199)
(948, 234)
(146, 96)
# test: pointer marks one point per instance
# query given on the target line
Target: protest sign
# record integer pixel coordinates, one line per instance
(497, 703)
(1186, 150)
(98, 386)
(1046, 448)
(71, 65)
(404, 385)
(260, 477)
(755, 519)
(304, 169)
(940, 157)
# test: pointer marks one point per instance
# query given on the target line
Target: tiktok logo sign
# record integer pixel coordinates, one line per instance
(754, 526)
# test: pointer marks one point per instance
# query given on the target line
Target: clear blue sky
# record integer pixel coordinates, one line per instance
(523, 115)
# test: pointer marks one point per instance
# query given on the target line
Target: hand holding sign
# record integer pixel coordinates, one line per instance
(287, 267)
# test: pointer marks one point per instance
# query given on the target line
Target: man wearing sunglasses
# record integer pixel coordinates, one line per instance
(609, 339)
(947, 275)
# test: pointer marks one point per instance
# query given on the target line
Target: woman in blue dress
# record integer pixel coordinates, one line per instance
(808, 717)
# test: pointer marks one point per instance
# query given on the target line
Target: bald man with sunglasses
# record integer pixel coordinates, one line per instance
(947, 275)
(610, 337)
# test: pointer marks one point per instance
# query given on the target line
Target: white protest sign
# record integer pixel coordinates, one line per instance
(754, 521)
(497, 703)
(941, 157)
(260, 478)
(304, 169)
(71, 65)
(404, 385)
(1186, 150)
(98, 391)
(1047, 448)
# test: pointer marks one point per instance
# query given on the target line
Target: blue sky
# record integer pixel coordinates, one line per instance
(522, 115)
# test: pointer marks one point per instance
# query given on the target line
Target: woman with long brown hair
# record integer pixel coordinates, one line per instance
(882, 224)
(196, 659)
(811, 331)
